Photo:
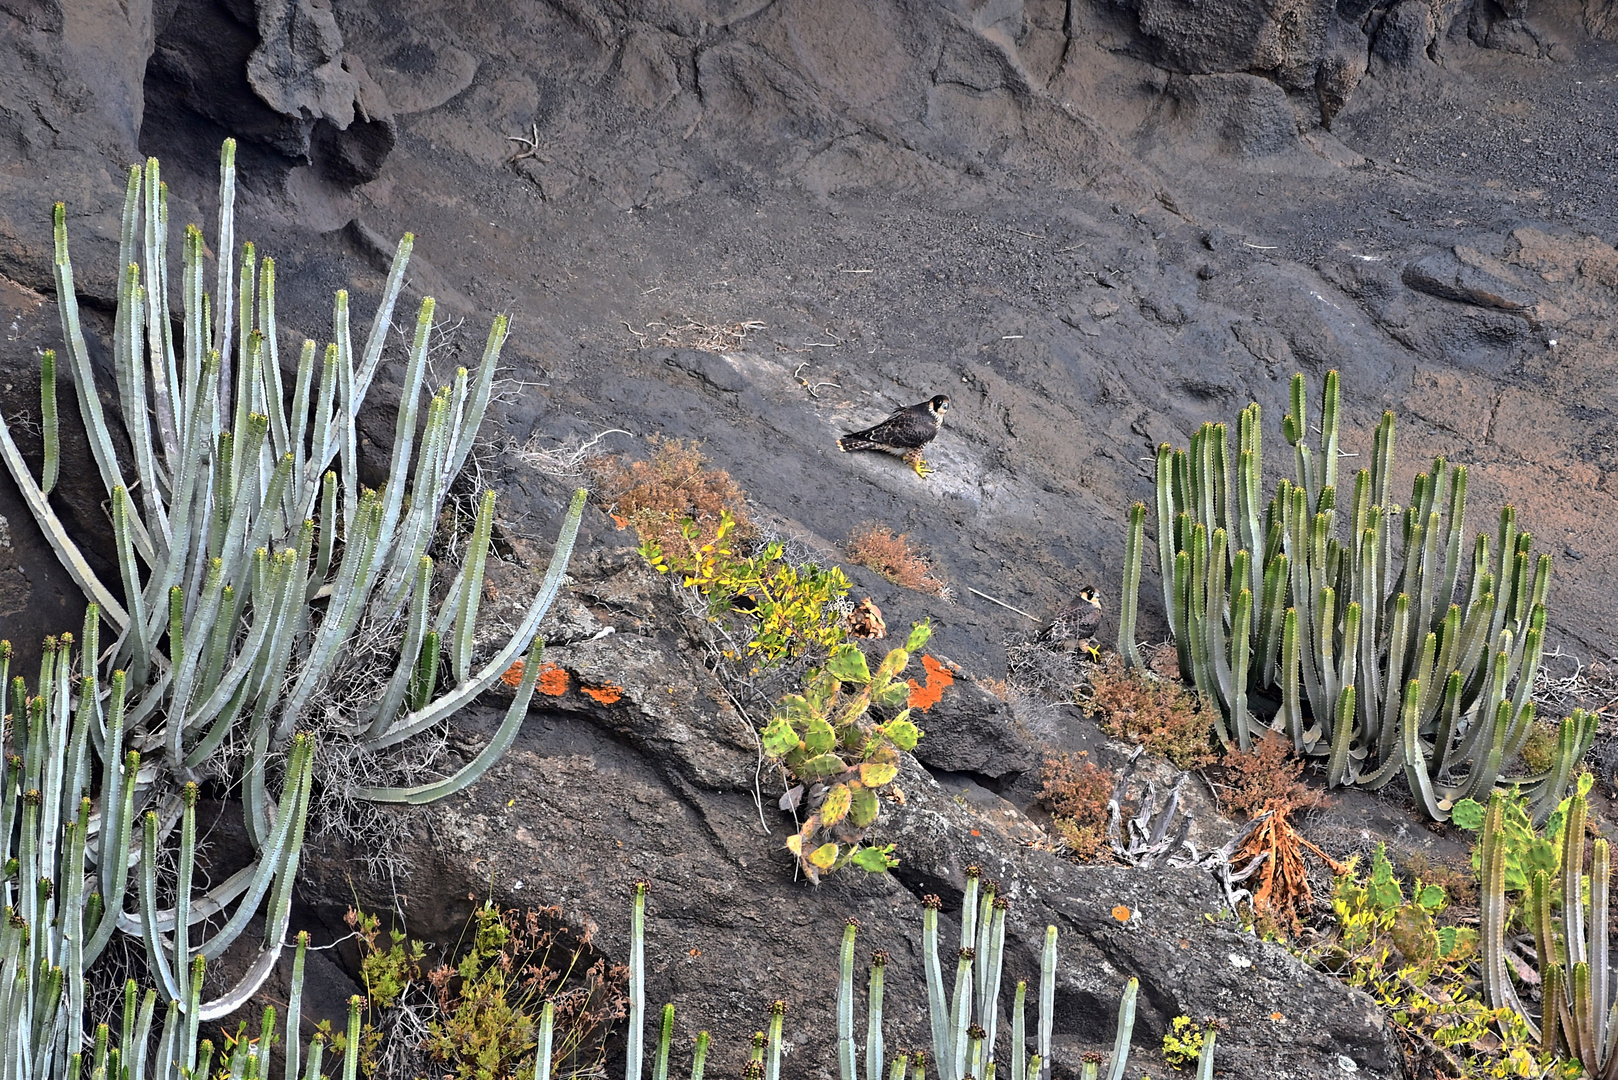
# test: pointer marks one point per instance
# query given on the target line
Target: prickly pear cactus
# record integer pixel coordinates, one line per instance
(841, 757)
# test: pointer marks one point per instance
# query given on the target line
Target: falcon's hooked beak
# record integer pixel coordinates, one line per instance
(939, 405)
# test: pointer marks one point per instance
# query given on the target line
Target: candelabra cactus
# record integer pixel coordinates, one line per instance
(1383, 654)
(248, 555)
(824, 737)
(1570, 936)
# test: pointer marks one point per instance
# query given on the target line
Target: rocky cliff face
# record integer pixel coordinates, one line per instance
(1094, 224)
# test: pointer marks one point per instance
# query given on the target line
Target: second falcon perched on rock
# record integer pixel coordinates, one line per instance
(904, 433)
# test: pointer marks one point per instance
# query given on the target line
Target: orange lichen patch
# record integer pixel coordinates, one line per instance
(606, 693)
(552, 681)
(1277, 1017)
(513, 675)
(938, 680)
(1122, 913)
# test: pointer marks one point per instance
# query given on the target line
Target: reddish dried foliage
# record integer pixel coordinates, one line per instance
(1159, 714)
(876, 547)
(1076, 792)
(656, 495)
(1266, 777)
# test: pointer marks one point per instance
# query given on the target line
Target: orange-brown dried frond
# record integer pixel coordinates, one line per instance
(657, 494)
(606, 693)
(1281, 885)
(939, 679)
(1161, 715)
(892, 555)
(1075, 791)
(1266, 777)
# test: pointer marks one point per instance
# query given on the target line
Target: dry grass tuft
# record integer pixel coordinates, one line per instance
(1076, 792)
(695, 334)
(1160, 715)
(877, 547)
(656, 495)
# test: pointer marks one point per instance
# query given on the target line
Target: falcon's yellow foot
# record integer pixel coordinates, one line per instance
(916, 462)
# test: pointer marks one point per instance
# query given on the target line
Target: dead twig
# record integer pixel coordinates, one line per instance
(1002, 603)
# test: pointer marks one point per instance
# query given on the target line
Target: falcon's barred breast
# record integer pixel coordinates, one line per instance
(903, 433)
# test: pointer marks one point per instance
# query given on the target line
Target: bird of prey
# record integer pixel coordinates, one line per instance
(904, 433)
(1075, 624)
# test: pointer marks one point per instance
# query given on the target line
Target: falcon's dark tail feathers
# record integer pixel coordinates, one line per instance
(857, 441)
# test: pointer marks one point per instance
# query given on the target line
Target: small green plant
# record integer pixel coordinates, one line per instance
(825, 736)
(1417, 967)
(794, 607)
(489, 1003)
(1525, 850)
(1182, 1042)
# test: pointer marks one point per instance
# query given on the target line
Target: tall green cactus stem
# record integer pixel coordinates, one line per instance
(1577, 1019)
(665, 1038)
(544, 1038)
(699, 1056)
(1268, 604)
(1130, 597)
(874, 1049)
(637, 983)
(845, 1003)
(1126, 1027)
(772, 1047)
(237, 605)
(1205, 1060)
(1047, 997)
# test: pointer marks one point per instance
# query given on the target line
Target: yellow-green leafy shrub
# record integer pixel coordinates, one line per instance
(793, 608)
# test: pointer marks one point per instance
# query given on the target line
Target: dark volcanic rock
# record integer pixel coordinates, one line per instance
(1463, 275)
(664, 784)
(1095, 226)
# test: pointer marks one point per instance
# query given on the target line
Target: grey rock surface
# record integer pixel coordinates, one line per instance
(1096, 226)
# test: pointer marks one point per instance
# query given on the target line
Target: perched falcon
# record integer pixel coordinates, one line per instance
(1075, 625)
(904, 433)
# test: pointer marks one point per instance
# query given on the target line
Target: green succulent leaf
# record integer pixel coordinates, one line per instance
(874, 774)
(864, 808)
(895, 693)
(1468, 814)
(1431, 897)
(1384, 888)
(919, 633)
(818, 768)
(875, 860)
(835, 808)
(823, 856)
(902, 733)
(779, 738)
(848, 664)
(819, 736)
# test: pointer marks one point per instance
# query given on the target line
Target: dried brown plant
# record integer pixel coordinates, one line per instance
(892, 555)
(1076, 792)
(1159, 714)
(656, 495)
(1267, 777)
